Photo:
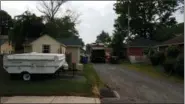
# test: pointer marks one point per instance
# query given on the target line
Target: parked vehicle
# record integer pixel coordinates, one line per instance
(98, 55)
(28, 64)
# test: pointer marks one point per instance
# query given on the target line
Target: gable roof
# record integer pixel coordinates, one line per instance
(31, 40)
(142, 42)
(173, 41)
(71, 41)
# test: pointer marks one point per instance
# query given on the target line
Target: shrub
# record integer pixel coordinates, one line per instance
(161, 57)
(173, 51)
(149, 51)
(157, 58)
(169, 65)
(179, 65)
(154, 59)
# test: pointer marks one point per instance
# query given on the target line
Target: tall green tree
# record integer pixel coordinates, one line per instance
(145, 15)
(26, 25)
(165, 33)
(145, 19)
(61, 27)
(5, 22)
(104, 38)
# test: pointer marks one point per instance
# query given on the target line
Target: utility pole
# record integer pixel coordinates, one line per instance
(128, 17)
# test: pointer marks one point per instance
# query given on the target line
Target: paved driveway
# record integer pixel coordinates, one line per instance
(133, 86)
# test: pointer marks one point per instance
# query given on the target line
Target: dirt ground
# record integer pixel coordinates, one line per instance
(136, 87)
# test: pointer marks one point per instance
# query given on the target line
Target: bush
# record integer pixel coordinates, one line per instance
(157, 58)
(173, 51)
(169, 65)
(161, 57)
(154, 60)
(179, 65)
(149, 51)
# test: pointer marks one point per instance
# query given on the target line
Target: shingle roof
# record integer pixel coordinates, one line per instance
(73, 41)
(176, 40)
(142, 42)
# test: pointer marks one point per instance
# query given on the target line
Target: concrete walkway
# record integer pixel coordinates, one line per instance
(49, 99)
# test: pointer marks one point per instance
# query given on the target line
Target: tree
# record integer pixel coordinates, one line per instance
(5, 22)
(50, 8)
(61, 27)
(117, 43)
(166, 33)
(104, 38)
(88, 48)
(181, 7)
(26, 25)
(145, 16)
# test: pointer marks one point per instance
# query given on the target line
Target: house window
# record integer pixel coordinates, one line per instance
(46, 49)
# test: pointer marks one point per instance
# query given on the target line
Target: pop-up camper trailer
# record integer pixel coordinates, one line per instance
(34, 63)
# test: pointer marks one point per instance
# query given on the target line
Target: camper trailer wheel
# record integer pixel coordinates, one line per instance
(26, 76)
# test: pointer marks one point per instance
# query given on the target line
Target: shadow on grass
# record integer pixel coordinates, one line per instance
(44, 86)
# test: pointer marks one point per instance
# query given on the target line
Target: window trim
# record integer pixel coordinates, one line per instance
(44, 46)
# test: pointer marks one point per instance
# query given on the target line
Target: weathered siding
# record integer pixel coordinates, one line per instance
(75, 53)
(6, 48)
(135, 55)
(46, 40)
(138, 59)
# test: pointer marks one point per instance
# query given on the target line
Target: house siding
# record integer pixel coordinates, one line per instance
(135, 51)
(75, 51)
(135, 55)
(6, 48)
(46, 40)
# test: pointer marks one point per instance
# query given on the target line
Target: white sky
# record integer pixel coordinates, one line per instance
(95, 15)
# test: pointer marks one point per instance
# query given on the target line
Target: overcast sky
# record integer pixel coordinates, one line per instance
(95, 15)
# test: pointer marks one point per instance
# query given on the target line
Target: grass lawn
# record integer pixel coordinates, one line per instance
(92, 76)
(153, 71)
(51, 86)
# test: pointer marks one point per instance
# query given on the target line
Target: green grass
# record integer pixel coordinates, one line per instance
(92, 76)
(151, 71)
(47, 87)
(53, 86)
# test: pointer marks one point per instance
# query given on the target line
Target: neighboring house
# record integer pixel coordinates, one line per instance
(135, 49)
(178, 41)
(47, 44)
(5, 46)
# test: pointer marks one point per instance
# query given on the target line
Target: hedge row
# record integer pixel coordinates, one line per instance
(171, 60)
